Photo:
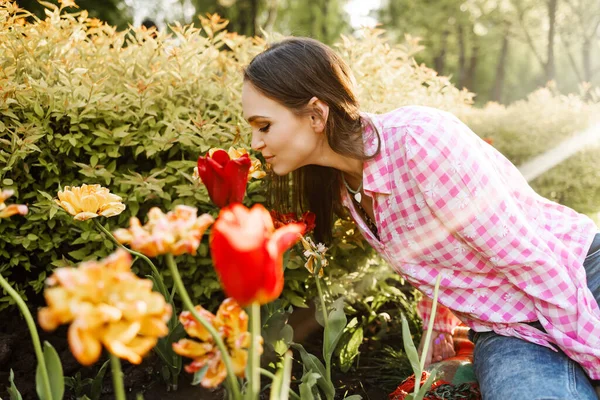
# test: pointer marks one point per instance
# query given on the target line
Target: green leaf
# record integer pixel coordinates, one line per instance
(13, 392)
(353, 397)
(312, 363)
(96, 388)
(427, 385)
(309, 380)
(350, 351)
(409, 348)
(55, 373)
(334, 329)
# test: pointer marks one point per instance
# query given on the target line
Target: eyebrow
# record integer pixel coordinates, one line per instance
(255, 117)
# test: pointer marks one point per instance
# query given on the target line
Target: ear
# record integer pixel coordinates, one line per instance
(320, 114)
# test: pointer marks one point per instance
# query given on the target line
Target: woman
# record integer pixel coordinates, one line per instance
(434, 199)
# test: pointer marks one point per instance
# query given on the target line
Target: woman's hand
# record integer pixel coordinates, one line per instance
(440, 348)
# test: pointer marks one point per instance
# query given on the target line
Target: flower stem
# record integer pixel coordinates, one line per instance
(253, 355)
(161, 285)
(117, 377)
(325, 325)
(271, 375)
(37, 346)
(187, 302)
(429, 330)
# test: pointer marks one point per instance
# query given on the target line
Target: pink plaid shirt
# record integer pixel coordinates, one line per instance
(447, 203)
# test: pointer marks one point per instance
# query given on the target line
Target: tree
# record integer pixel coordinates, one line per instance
(114, 12)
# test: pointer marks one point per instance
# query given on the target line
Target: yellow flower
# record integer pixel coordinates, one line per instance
(107, 305)
(13, 209)
(256, 170)
(313, 253)
(231, 322)
(177, 232)
(89, 201)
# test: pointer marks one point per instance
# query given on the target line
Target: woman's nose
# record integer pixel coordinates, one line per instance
(257, 142)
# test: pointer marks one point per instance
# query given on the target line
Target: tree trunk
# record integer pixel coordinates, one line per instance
(253, 17)
(496, 94)
(586, 58)
(549, 70)
(460, 76)
(324, 19)
(272, 15)
(472, 70)
(439, 61)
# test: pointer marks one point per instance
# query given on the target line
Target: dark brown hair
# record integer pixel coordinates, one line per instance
(292, 72)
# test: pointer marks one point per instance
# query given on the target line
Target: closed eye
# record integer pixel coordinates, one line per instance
(265, 128)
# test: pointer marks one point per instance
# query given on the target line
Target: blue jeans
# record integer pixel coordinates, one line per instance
(509, 368)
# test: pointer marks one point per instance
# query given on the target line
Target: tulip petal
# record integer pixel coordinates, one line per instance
(236, 174)
(84, 216)
(85, 347)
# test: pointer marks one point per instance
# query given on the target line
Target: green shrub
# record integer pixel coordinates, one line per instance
(83, 103)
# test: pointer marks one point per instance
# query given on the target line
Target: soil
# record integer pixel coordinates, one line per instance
(16, 353)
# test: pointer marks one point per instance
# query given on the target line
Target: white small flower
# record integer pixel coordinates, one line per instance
(494, 260)
(469, 308)
(321, 248)
(420, 200)
(495, 316)
(412, 245)
(459, 248)
(480, 292)
(461, 201)
(504, 231)
(508, 297)
(429, 258)
(412, 271)
(469, 232)
(431, 190)
(457, 166)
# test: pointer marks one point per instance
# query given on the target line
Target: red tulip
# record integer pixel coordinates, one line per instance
(247, 253)
(280, 219)
(225, 178)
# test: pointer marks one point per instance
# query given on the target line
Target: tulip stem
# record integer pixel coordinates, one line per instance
(117, 377)
(161, 285)
(37, 346)
(187, 302)
(271, 375)
(253, 355)
(325, 325)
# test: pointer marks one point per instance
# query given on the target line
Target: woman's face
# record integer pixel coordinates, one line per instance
(286, 141)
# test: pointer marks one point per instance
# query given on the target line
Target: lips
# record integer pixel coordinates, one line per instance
(268, 158)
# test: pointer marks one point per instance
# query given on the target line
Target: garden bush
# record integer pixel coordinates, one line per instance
(83, 103)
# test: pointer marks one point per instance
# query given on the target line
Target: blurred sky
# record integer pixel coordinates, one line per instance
(358, 10)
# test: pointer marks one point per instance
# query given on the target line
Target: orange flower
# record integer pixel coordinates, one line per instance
(89, 201)
(107, 305)
(177, 232)
(231, 322)
(13, 209)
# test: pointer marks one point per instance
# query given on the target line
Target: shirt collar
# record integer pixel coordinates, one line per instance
(377, 170)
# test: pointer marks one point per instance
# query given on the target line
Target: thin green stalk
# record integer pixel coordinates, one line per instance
(37, 346)
(429, 330)
(253, 356)
(117, 377)
(326, 326)
(271, 375)
(161, 285)
(187, 302)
